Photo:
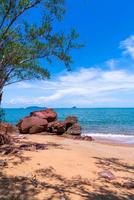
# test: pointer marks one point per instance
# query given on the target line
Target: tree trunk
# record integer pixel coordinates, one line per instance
(1, 110)
(1, 86)
(1, 89)
(1, 94)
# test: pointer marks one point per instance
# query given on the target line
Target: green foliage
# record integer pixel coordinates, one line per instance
(23, 46)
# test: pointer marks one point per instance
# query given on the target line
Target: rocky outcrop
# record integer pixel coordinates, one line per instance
(57, 127)
(32, 124)
(75, 129)
(46, 121)
(47, 114)
(71, 120)
(37, 129)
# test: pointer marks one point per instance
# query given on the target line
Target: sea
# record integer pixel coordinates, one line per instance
(110, 123)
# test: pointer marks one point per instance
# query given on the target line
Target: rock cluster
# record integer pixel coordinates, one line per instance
(46, 121)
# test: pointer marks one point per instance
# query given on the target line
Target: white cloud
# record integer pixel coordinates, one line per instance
(84, 87)
(112, 64)
(97, 86)
(128, 46)
(24, 85)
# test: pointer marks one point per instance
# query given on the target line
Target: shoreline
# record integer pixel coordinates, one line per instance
(112, 138)
(103, 139)
(96, 139)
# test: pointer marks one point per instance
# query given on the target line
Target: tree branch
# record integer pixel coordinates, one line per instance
(34, 57)
(17, 81)
(19, 14)
(6, 77)
(5, 16)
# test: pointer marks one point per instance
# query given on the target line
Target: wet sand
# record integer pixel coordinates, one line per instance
(68, 170)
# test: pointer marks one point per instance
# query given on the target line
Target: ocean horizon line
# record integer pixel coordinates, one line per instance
(69, 107)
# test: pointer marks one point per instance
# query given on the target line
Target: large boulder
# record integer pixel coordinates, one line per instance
(57, 127)
(75, 129)
(37, 129)
(47, 114)
(70, 120)
(32, 124)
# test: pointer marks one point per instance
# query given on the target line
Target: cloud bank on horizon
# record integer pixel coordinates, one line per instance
(110, 84)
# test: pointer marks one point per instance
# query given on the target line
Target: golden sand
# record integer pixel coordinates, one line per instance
(68, 170)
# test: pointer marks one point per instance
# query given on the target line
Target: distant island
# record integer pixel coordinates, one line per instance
(74, 107)
(35, 107)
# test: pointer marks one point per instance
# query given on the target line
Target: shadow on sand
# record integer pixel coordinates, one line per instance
(114, 164)
(47, 184)
(17, 149)
(16, 188)
(24, 188)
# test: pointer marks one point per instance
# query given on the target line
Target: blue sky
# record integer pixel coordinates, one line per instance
(103, 71)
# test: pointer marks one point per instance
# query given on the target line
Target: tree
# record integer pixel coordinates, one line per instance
(23, 45)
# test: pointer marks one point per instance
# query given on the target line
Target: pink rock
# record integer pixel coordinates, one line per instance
(107, 175)
(48, 114)
(70, 120)
(75, 129)
(36, 129)
(32, 124)
(57, 127)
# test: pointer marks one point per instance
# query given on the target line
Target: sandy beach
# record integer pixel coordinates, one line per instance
(67, 170)
(66, 100)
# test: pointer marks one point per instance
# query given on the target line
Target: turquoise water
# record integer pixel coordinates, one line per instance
(115, 121)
